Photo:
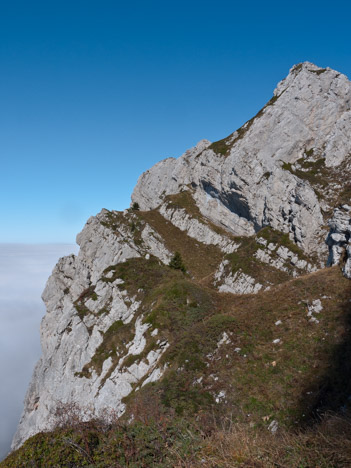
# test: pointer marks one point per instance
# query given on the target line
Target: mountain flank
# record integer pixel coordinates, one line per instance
(216, 308)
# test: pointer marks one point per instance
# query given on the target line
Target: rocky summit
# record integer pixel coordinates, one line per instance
(244, 319)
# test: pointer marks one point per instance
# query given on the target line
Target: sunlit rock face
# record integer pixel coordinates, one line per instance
(263, 205)
(339, 238)
(243, 184)
(83, 302)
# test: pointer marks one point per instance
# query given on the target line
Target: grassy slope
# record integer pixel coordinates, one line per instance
(305, 374)
(201, 260)
(311, 372)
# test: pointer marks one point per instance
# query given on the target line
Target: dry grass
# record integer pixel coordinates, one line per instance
(324, 446)
(305, 375)
(311, 373)
(285, 380)
(200, 260)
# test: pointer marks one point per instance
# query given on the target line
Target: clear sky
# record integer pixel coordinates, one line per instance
(92, 93)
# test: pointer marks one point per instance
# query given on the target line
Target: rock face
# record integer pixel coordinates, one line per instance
(339, 238)
(253, 205)
(83, 303)
(242, 182)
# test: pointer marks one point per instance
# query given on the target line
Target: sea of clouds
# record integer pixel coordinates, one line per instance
(24, 270)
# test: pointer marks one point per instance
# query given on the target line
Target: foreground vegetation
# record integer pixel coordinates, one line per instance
(176, 443)
(215, 405)
(248, 380)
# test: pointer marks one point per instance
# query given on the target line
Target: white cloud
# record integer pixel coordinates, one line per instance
(24, 270)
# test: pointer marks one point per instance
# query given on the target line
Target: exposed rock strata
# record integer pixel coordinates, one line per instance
(235, 283)
(263, 174)
(76, 321)
(339, 238)
(282, 258)
(198, 230)
(242, 184)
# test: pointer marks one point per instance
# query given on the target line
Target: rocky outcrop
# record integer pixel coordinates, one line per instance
(235, 283)
(242, 183)
(282, 258)
(339, 239)
(84, 302)
(254, 206)
(198, 230)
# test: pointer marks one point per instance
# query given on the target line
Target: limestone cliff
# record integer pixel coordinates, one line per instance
(251, 211)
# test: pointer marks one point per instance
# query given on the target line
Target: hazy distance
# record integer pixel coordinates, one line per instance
(24, 269)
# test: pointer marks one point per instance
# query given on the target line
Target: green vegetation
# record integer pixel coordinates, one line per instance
(137, 273)
(314, 172)
(177, 421)
(95, 444)
(177, 262)
(318, 72)
(135, 206)
(79, 304)
(191, 250)
(222, 146)
(163, 443)
(248, 377)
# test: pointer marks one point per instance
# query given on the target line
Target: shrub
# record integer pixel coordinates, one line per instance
(177, 262)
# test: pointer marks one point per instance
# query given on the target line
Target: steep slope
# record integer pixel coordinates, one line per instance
(248, 180)
(249, 216)
(251, 363)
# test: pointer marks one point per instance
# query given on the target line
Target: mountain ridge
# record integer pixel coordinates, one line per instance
(249, 214)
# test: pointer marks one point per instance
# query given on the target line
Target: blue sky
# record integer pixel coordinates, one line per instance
(93, 93)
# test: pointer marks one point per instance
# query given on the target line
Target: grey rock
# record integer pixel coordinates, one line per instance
(198, 230)
(282, 259)
(273, 426)
(69, 341)
(261, 241)
(240, 185)
(347, 266)
(237, 283)
(314, 308)
(339, 237)
(249, 188)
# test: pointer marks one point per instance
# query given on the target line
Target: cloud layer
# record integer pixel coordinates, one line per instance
(24, 270)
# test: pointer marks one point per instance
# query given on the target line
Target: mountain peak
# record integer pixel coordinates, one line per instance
(309, 66)
(248, 180)
(305, 73)
(246, 214)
